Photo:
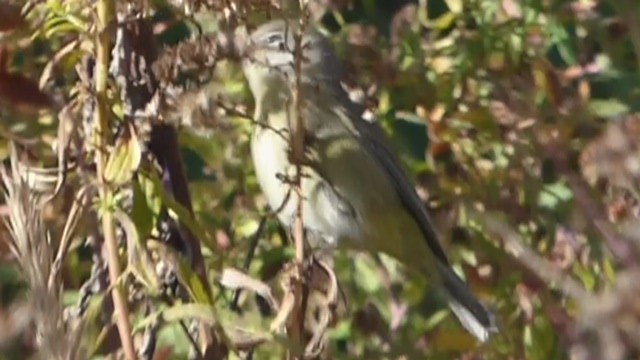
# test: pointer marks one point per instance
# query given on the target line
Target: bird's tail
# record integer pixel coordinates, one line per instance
(473, 315)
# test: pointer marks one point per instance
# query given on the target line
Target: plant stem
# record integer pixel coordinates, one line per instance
(296, 324)
(106, 14)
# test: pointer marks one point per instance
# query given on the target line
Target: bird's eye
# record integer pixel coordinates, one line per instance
(274, 39)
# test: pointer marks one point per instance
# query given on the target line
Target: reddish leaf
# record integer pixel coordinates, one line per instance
(618, 210)
(4, 59)
(439, 149)
(21, 93)
(11, 17)
(163, 353)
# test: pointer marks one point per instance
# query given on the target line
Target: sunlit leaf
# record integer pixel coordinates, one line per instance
(445, 21)
(455, 5)
(125, 158)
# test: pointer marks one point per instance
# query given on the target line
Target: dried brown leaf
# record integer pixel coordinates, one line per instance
(361, 35)
(565, 248)
(402, 21)
(525, 300)
(615, 155)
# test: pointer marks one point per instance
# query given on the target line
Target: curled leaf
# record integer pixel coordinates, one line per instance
(234, 279)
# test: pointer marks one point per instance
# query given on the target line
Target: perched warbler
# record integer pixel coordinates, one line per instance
(355, 194)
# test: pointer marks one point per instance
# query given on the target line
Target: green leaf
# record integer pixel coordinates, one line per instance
(608, 108)
(92, 332)
(139, 262)
(369, 277)
(586, 276)
(192, 282)
(445, 21)
(146, 206)
(554, 194)
(341, 331)
(180, 312)
(183, 215)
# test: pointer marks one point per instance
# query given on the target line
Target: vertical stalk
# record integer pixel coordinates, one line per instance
(106, 14)
(296, 324)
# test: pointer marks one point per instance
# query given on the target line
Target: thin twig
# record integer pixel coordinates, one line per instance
(106, 14)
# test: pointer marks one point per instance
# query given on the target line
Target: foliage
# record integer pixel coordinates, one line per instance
(517, 120)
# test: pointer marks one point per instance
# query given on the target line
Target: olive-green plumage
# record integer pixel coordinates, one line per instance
(355, 193)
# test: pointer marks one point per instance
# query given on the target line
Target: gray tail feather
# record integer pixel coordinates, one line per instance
(472, 314)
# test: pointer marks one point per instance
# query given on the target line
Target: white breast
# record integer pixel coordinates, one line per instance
(327, 215)
(269, 153)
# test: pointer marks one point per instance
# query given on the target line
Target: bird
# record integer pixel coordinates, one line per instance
(355, 195)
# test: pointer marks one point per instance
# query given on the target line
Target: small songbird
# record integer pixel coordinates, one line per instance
(355, 194)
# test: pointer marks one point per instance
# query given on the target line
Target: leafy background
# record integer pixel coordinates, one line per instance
(516, 119)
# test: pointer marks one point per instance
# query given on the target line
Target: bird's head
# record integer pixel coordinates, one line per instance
(269, 63)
